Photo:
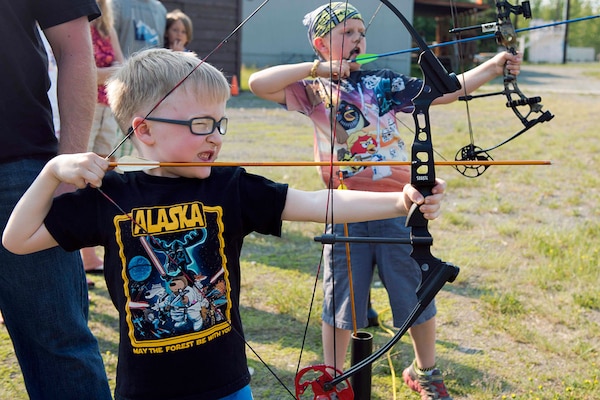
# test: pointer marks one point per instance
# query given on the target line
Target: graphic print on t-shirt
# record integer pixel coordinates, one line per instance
(175, 274)
(368, 120)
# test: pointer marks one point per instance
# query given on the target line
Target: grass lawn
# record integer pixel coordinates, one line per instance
(522, 320)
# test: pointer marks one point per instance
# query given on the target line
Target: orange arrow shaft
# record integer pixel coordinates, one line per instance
(319, 163)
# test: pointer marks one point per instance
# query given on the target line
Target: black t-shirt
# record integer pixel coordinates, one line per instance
(174, 273)
(26, 128)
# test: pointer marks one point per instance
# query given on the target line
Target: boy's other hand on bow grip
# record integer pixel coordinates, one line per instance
(505, 59)
(430, 206)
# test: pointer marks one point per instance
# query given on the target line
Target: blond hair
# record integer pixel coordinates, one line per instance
(178, 15)
(105, 21)
(148, 76)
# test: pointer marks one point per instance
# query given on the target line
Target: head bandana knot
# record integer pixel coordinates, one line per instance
(322, 20)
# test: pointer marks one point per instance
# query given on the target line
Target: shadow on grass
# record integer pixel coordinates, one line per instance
(280, 344)
(293, 250)
(284, 340)
(284, 329)
(272, 383)
(463, 381)
(467, 289)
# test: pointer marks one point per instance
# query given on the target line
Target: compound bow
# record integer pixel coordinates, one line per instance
(524, 107)
(435, 272)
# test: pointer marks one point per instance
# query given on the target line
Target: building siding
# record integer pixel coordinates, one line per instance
(213, 21)
(275, 35)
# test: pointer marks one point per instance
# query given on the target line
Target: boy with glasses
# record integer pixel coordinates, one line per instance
(173, 235)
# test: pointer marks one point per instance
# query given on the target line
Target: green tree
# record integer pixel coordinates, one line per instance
(580, 34)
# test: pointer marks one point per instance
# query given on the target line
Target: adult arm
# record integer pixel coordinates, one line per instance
(76, 84)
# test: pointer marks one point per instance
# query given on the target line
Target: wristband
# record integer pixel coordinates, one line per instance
(313, 70)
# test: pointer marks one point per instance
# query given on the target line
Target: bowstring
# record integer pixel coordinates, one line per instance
(461, 62)
(373, 17)
(328, 90)
(333, 127)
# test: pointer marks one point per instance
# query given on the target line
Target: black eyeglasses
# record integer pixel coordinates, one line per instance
(198, 126)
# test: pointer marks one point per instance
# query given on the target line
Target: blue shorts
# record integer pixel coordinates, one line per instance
(244, 393)
(398, 272)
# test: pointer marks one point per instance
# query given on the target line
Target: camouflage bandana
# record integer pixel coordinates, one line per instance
(322, 20)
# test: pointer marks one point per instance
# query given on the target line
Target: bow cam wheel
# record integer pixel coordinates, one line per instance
(472, 153)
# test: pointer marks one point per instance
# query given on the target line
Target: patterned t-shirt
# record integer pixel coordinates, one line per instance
(365, 125)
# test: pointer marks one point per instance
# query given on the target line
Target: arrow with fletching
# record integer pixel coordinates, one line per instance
(370, 57)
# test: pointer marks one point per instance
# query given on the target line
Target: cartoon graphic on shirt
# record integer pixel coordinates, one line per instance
(368, 108)
(361, 145)
(350, 117)
(372, 133)
(176, 278)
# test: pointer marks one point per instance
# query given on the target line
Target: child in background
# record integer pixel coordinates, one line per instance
(140, 25)
(173, 235)
(364, 104)
(179, 30)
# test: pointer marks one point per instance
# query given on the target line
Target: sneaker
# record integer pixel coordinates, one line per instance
(430, 387)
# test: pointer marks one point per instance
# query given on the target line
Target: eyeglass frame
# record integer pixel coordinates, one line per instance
(216, 124)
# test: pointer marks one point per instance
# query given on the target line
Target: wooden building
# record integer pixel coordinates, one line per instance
(213, 21)
(467, 14)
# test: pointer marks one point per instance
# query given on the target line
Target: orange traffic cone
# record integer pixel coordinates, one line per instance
(235, 89)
